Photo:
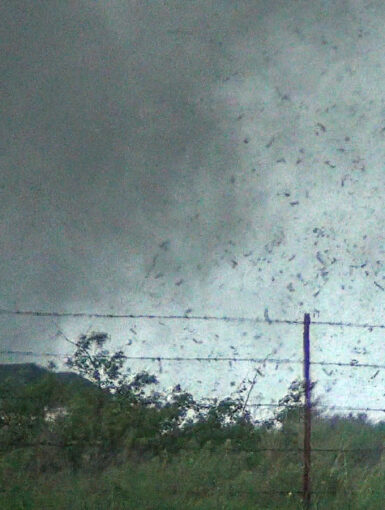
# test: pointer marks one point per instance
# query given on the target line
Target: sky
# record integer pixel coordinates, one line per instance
(223, 157)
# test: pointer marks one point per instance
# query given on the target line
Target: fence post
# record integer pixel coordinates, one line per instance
(307, 417)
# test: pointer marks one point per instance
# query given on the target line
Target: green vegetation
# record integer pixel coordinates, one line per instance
(112, 442)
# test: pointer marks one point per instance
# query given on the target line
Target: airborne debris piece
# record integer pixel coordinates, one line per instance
(266, 316)
(319, 258)
(165, 245)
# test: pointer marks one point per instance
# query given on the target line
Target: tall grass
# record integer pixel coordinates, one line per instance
(224, 475)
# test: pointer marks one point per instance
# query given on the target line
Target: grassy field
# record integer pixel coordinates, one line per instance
(211, 477)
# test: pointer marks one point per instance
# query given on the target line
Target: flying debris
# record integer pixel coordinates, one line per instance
(165, 245)
(379, 286)
(266, 316)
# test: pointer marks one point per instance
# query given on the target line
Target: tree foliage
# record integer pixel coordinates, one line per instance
(118, 414)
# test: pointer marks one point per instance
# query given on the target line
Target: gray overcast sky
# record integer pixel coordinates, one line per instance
(223, 156)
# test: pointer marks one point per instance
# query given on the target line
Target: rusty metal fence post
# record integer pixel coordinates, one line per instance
(307, 417)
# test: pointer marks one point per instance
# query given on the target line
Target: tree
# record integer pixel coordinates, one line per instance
(95, 363)
(92, 361)
(289, 416)
(113, 411)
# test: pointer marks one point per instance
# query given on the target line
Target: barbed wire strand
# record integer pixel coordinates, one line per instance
(158, 358)
(20, 444)
(300, 406)
(215, 400)
(351, 364)
(202, 405)
(96, 315)
(281, 492)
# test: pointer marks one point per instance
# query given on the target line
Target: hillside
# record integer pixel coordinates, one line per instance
(28, 373)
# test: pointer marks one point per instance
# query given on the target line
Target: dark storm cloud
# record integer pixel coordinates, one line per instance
(109, 140)
(122, 143)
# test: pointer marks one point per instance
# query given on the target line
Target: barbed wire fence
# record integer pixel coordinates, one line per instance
(306, 491)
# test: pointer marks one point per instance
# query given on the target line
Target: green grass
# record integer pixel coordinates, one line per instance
(191, 480)
(200, 479)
